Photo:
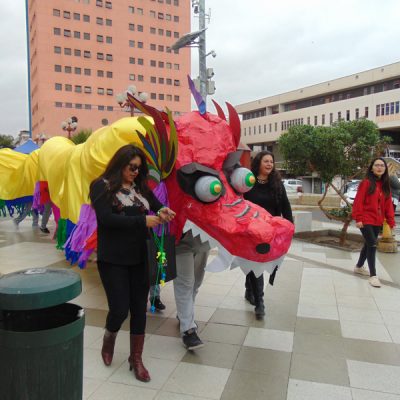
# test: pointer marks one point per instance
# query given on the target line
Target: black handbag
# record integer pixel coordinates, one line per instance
(170, 268)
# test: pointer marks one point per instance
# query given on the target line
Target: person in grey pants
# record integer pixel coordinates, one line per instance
(191, 260)
(35, 216)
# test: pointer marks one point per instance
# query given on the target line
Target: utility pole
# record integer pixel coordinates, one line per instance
(202, 51)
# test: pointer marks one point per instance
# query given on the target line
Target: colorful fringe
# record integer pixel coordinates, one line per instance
(64, 229)
(12, 206)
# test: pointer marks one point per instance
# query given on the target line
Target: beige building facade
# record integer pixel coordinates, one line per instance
(372, 94)
(84, 52)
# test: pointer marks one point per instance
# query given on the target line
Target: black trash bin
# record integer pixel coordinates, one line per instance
(41, 335)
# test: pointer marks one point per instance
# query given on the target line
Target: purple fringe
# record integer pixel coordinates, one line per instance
(36, 199)
(162, 195)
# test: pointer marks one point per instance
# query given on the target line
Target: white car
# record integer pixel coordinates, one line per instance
(293, 185)
(350, 193)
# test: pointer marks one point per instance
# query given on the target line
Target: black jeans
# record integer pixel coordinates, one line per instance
(255, 285)
(368, 252)
(127, 289)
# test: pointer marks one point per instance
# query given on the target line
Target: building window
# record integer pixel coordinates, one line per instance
(140, 28)
(68, 88)
(176, 67)
(131, 77)
(100, 73)
(152, 14)
(68, 105)
(78, 89)
(108, 4)
(77, 53)
(168, 33)
(153, 46)
(169, 81)
(339, 116)
(57, 68)
(57, 31)
(100, 56)
(109, 39)
(77, 70)
(57, 49)
(100, 38)
(176, 2)
(168, 17)
(347, 115)
(176, 18)
(169, 97)
(153, 63)
(140, 61)
(77, 16)
(86, 54)
(88, 106)
(99, 3)
(108, 22)
(67, 15)
(153, 30)
(110, 92)
(276, 126)
(140, 45)
(176, 35)
(86, 36)
(161, 32)
(77, 35)
(177, 82)
(139, 11)
(161, 81)
(58, 104)
(58, 86)
(160, 48)
(323, 119)
(109, 74)
(100, 91)
(87, 89)
(86, 18)
(99, 21)
(131, 60)
(131, 27)
(153, 96)
(331, 118)
(391, 108)
(56, 12)
(168, 65)
(67, 33)
(67, 70)
(78, 105)
(131, 43)
(153, 79)
(67, 51)
(357, 113)
(109, 57)
(315, 120)
(100, 108)
(160, 96)
(87, 71)
(140, 78)
(110, 108)
(160, 15)
(366, 112)
(131, 9)
(161, 64)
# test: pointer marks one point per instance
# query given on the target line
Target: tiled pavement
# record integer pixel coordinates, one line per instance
(327, 333)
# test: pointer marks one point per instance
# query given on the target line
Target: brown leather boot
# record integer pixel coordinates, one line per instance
(107, 351)
(135, 359)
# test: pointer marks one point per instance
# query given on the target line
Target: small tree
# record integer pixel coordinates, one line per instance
(81, 136)
(6, 141)
(343, 149)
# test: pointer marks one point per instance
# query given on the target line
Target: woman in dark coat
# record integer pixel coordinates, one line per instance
(122, 200)
(269, 193)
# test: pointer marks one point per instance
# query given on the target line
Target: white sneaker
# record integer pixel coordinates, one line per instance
(361, 271)
(374, 281)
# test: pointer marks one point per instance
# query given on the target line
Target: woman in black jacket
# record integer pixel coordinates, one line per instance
(269, 193)
(122, 200)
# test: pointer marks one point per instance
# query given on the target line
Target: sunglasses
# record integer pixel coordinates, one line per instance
(133, 167)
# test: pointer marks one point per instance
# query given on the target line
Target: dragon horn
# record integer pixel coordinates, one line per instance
(234, 123)
(220, 112)
(201, 104)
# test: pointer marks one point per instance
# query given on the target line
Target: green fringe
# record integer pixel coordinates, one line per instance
(3, 208)
(61, 233)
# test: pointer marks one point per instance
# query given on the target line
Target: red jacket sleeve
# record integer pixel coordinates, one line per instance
(389, 211)
(358, 204)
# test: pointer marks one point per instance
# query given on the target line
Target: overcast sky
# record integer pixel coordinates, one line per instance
(263, 47)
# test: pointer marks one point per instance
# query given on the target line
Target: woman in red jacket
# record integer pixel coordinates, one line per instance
(373, 204)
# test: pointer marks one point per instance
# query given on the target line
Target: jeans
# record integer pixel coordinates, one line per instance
(191, 260)
(46, 215)
(368, 252)
(255, 285)
(127, 289)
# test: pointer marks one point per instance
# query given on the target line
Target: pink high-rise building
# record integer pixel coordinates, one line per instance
(84, 52)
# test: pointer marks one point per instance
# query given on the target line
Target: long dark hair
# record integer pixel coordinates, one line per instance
(384, 178)
(274, 178)
(113, 172)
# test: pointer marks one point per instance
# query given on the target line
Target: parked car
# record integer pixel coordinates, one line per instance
(350, 194)
(293, 185)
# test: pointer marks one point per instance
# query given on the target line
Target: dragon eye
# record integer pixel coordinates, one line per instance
(242, 179)
(208, 188)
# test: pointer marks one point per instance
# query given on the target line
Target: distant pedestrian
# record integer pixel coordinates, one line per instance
(394, 184)
(372, 204)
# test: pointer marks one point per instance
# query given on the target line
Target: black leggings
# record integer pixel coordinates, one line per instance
(368, 252)
(127, 289)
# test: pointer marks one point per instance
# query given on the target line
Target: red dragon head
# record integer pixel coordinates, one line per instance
(203, 189)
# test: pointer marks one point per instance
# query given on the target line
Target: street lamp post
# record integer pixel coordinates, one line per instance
(122, 98)
(69, 125)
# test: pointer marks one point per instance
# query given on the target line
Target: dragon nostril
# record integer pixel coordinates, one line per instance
(263, 248)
